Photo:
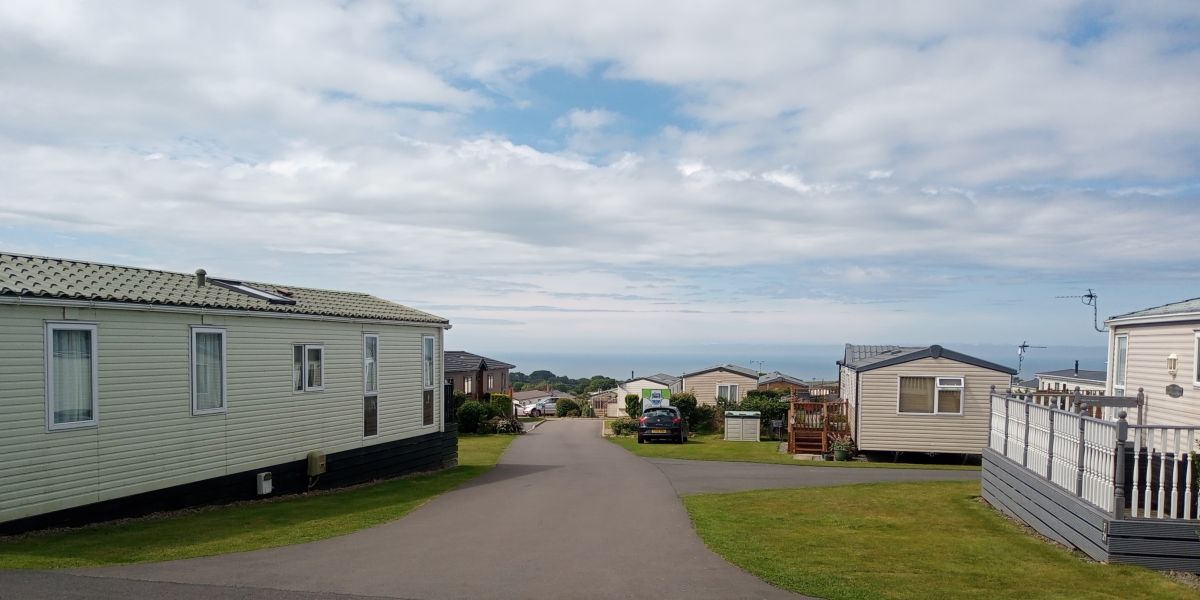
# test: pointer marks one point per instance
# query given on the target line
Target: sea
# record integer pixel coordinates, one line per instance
(804, 361)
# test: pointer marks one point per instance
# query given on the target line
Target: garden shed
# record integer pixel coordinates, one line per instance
(742, 425)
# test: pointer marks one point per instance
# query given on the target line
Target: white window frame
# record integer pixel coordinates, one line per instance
(735, 388)
(938, 386)
(467, 383)
(51, 327)
(1123, 374)
(224, 371)
(366, 391)
(428, 361)
(304, 348)
(1195, 361)
(491, 382)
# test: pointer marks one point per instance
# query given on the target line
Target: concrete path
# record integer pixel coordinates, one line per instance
(565, 514)
(699, 476)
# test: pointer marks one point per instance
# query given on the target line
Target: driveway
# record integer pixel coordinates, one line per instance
(552, 520)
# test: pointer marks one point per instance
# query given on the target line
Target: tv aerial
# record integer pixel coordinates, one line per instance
(1089, 299)
(1021, 350)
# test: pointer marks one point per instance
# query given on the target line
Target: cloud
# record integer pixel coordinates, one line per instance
(851, 170)
(587, 120)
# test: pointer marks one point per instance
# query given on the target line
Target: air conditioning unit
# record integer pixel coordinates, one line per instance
(264, 483)
(316, 463)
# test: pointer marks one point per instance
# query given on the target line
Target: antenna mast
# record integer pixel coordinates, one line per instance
(1021, 350)
(1089, 299)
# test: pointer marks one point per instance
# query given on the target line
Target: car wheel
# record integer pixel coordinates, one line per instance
(641, 440)
(535, 413)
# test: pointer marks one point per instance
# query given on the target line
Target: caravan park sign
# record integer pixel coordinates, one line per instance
(655, 398)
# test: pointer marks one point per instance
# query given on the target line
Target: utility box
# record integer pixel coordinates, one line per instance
(742, 425)
(264, 483)
(316, 463)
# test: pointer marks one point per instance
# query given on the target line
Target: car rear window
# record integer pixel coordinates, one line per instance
(655, 412)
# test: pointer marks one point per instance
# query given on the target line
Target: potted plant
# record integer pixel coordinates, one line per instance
(841, 445)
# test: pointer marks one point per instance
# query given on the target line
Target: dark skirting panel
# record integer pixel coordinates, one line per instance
(428, 452)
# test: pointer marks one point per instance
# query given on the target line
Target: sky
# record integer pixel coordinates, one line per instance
(620, 178)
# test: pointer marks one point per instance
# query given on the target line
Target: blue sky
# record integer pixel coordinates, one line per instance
(620, 179)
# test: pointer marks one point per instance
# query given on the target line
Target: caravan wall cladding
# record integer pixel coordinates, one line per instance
(151, 445)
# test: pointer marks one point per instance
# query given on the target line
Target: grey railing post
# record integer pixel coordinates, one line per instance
(1141, 402)
(1079, 469)
(1050, 449)
(1025, 454)
(1119, 476)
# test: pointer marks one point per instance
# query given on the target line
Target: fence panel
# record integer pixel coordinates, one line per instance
(1014, 447)
(1038, 452)
(1064, 470)
(1099, 460)
(996, 440)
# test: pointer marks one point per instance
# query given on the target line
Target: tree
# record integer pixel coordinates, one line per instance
(633, 405)
(686, 403)
(600, 383)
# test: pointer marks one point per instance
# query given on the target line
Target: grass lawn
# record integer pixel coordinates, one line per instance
(252, 525)
(867, 541)
(531, 419)
(713, 447)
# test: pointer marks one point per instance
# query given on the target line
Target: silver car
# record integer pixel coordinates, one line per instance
(542, 408)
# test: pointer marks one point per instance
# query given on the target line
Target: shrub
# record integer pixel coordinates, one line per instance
(704, 419)
(471, 415)
(686, 403)
(633, 405)
(503, 404)
(624, 426)
(768, 402)
(567, 408)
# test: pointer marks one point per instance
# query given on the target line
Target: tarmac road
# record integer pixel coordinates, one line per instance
(565, 514)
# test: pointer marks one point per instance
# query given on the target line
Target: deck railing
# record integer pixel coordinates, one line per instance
(1130, 471)
(820, 420)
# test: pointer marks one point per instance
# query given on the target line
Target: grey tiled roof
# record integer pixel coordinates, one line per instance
(777, 376)
(457, 361)
(40, 277)
(662, 378)
(1084, 374)
(1185, 306)
(727, 367)
(861, 355)
(866, 358)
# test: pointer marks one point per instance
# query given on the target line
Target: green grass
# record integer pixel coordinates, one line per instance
(248, 526)
(911, 540)
(531, 419)
(713, 447)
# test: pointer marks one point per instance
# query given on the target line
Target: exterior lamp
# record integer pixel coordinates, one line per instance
(1172, 364)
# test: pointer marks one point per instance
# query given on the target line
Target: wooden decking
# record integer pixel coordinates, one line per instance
(812, 425)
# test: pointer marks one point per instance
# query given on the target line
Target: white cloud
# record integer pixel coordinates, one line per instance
(332, 144)
(587, 120)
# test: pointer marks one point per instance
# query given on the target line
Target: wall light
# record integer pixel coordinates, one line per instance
(1172, 364)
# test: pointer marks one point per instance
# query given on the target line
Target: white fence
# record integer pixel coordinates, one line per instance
(1154, 477)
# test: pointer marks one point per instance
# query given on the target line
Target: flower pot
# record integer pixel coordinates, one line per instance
(841, 455)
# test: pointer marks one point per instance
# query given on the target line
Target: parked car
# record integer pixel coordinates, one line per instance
(662, 423)
(541, 408)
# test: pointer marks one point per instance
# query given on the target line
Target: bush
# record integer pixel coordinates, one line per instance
(768, 402)
(471, 416)
(624, 426)
(633, 405)
(503, 404)
(686, 403)
(567, 408)
(704, 419)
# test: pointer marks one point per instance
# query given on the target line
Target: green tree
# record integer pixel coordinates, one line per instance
(633, 405)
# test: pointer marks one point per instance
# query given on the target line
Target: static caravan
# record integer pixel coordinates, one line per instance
(127, 390)
(1157, 350)
(722, 381)
(919, 399)
(659, 381)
